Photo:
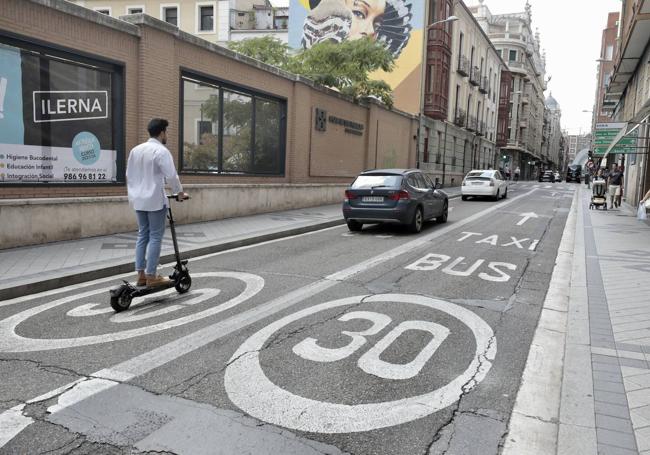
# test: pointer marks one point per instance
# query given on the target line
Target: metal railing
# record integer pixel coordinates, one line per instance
(463, 66)
(460, 117)
(485, 85)
(475, 76)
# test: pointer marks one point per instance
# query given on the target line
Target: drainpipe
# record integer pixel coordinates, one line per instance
(444, 155)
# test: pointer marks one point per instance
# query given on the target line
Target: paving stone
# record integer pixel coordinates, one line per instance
(633, 363)
(607, 386)
(638, 398)
(613, 423)
(610, 409)
(610, 397)
(604, 449)
(640, 417)
(612, 360)
(616, 439)
(608, 367)
(607, 376)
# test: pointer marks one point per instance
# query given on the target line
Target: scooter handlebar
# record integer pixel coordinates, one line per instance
(177, 197)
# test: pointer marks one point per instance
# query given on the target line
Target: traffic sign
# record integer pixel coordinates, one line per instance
(605, 133)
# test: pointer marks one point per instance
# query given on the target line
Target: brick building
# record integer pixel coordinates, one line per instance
(81, 87)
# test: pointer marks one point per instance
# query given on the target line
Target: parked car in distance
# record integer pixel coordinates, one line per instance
(485, 182)
(574, 173)
(547, 176)
(401, 196)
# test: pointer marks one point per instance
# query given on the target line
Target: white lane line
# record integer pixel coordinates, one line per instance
(143, 363)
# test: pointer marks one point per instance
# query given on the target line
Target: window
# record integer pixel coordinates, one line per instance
(62, 120)
(609, 52)
(103, 10)
(134, 9)
(205, 18)
(425, 157)
(460, 47)
(169, 14)
(231, 130)
(512, 56)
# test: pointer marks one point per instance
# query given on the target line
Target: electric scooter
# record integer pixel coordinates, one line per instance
(122, 295)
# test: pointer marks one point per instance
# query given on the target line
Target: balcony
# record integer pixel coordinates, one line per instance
(485, 85)
(472, 123)
(523, 124)
(463, 66)
(438, 71)
(475, 76)
(460, 118)
(481, 129)
(525, 99)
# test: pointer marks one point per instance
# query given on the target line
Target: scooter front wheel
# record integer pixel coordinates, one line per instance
(121, 302)
(184, 283)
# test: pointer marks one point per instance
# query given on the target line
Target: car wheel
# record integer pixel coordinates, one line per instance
(498, 196)
(505, 194)
(418, 220)
(464, 198)
(445, 213)
(354, 226)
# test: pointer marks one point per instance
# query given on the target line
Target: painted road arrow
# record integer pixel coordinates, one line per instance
(526, 217)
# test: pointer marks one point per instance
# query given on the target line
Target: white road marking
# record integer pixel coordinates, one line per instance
(155, 358)
(526, 217)
(250, 389)
(10, 341)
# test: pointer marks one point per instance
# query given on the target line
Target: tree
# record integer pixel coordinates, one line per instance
(266, 49)
(344, 66)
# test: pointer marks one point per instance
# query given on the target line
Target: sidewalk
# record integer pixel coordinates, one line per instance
(31, 269)
(586, 386)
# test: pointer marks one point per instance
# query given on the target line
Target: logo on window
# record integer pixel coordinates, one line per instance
(65, 106)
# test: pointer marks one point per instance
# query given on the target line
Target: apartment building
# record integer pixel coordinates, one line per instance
(554, 144)
(519, 47)
(603, 108)
(217, 21)
(462, 92)
(628, 93)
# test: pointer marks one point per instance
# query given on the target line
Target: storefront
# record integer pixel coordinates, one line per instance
(61, 117)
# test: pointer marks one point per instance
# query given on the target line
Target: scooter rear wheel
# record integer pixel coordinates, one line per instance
(184, 283)
(121, 303)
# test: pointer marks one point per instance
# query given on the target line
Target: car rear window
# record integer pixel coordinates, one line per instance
(480, 175)
(377, 181)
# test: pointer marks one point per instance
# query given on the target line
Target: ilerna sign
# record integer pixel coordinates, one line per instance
(66, 106)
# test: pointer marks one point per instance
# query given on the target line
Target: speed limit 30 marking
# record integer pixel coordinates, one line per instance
(250, 389)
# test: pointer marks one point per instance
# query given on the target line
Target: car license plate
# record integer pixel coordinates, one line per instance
(477, 183)
(372, 199)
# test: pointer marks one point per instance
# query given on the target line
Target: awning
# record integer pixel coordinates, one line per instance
(641, 118)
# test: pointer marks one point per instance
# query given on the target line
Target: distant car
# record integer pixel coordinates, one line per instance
(486, 182)
(402, 196)
(558, 177)
(547, 176)
(574, 173)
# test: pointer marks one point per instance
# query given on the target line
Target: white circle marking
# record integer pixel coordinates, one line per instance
(10, 341)
(251, 390)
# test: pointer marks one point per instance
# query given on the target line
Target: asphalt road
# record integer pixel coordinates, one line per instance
(378, 342)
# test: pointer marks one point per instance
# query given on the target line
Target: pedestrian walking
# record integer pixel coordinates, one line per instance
(149, 167)
(517, 172)
(615, 185)
(507, 172)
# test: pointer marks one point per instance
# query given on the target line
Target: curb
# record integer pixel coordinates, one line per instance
(91, 273)
(535, 419)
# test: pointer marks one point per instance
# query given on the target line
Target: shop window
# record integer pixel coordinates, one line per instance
(61, 117)
(227, 130)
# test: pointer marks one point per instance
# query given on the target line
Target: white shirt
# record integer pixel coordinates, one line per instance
(149, 165)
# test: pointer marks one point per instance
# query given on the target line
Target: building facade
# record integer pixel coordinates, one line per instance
(554, 145)
(246, 137)
(603, 108)
(628, 93)
(462, 94)
(576, 144)
(519, 47)
(217, 21)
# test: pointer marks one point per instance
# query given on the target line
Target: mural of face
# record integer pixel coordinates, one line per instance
(367, 17)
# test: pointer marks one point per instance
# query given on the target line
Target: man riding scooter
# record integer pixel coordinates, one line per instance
(150, 165)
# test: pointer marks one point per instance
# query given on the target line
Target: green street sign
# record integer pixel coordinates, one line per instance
(604, 135)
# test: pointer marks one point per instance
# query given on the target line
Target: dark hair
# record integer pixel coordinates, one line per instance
(157, 126)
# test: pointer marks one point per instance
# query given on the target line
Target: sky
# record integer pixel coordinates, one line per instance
(571, 33)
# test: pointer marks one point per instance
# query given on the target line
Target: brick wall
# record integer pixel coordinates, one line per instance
(153, 54)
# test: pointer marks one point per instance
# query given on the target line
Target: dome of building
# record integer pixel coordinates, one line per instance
(551, 102)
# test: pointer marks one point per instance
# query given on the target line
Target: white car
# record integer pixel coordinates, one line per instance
(485, 182)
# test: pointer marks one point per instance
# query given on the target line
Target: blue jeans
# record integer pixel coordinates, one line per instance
(151, 227)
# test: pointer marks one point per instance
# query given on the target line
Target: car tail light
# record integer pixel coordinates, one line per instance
(492, 182)
(402, 194)
(464, 182)
(349, 195)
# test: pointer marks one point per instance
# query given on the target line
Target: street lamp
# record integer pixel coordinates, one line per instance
(449, 19)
